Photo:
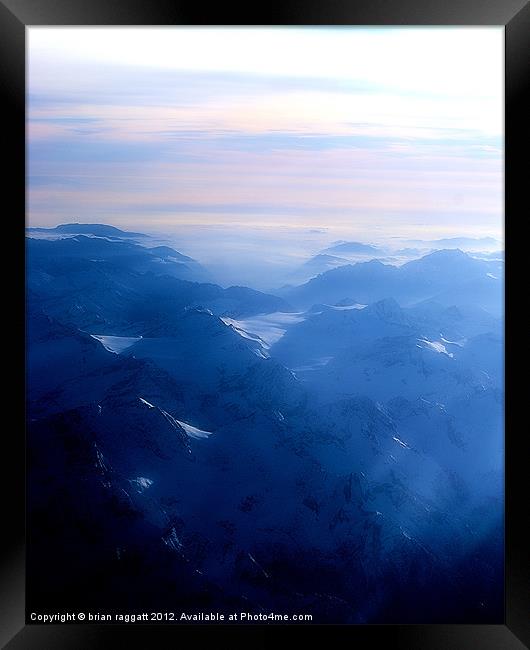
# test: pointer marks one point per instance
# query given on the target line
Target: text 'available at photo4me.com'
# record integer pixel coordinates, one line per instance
(167, 617)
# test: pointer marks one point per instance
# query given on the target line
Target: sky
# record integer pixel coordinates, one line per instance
(356, 132)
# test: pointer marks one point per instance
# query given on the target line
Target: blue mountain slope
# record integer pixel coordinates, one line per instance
(98, 229)
(120, 288)
(441, 274)
(352, 247)
(323, 334)
(411, 367)
(185, 461)
(68, 351)
(122, 254)
(247, 537)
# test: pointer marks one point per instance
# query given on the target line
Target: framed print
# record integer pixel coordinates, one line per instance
(262, 308)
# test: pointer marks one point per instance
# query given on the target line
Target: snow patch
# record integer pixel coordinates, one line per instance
(357, 305)
(269, 328)
(258, 565)
(314, 364)
(400, 442)
(100, 460)
(116, 344)
(235, 325)
(459, 343)
(172, 540)
(405, 534)
(193, 432)
(141, 483)
(436, 346)
(260, 353)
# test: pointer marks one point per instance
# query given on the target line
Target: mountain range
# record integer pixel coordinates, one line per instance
(352, 247)
(97, 229)
(349, 467)
(447, 276)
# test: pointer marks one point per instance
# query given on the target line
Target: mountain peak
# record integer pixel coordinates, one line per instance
(167, 252)
(98, 229)
(447, 260)
(352, 247)
(387, 308)
(373, 263)
(447, 254)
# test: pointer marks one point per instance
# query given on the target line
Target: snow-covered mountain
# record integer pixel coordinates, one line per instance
(119, 288)
(327, 330)
(437, 275)
(315, 266)
(211, 448)
(115, 253)
(411, 367)
(246, 501)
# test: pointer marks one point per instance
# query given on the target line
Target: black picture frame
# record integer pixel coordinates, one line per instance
(15, 15)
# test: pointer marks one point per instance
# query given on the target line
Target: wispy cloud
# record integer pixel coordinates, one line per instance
(207, 139)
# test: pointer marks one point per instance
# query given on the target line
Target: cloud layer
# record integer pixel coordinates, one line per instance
(348, 128)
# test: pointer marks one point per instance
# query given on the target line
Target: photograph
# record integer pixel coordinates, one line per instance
(264, 298)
